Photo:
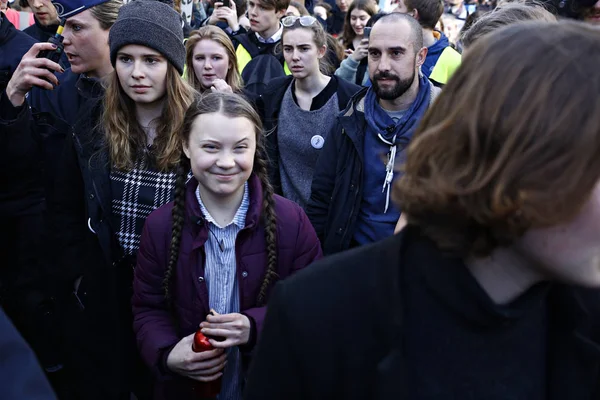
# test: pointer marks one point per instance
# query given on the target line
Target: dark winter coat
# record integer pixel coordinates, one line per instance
(98, 323)
(269, 105)
(337, 187)
(32, 138)
(157, 330)
(42, 33)
(346, 343)
(13, 45)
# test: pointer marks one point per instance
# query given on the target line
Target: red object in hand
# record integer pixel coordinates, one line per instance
(205, 389)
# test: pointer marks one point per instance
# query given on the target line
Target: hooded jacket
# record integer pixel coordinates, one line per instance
(338, 184)
(441, 61)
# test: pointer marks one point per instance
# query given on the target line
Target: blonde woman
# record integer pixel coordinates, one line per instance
(211, 61)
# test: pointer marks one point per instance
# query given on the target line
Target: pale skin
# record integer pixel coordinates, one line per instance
(221, 161)
(32, 71)
(300, 51)
(228, 14)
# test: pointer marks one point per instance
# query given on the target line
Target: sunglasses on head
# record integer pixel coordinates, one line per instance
(304, 21)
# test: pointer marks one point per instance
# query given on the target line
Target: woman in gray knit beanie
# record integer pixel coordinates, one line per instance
(128, 141)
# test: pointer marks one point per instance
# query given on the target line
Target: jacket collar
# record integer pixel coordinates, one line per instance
(573, 332)
(50, 29)
(195, 216)
(90, 88)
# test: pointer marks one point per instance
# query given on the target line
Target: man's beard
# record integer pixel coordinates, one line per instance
(401, 86)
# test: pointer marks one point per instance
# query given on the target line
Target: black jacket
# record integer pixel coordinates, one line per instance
(99, 322)
(13, 45)
(42, 33)
(336, 190)
(32, 138)
(334, 330)
(20, 374)
(269, 105)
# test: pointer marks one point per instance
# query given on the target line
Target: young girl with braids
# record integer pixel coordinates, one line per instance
(221, 245)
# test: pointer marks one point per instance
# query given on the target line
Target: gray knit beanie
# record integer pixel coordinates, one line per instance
(149, 23)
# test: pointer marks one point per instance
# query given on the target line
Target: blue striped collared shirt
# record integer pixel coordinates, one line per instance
(223, 287)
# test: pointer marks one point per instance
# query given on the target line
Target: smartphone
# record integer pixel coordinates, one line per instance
(367, 32)
(226, 3)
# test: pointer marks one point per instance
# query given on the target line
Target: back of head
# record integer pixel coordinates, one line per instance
(512, 142)
(508, 13)
(429, 11)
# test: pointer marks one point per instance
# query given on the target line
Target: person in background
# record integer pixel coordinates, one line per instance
(592, 15)
(322, 11)
(13, 15)
(350, 203)
(13, 45)
(296, 9)
(117, 167)
(297, 110)
(460, 10)
(335, 23)
(46, 23)
(36, 117)
(227, 230)
(442, 60)
(502, 246)
(449, 25)
(506, 14)
(211, 62)
(354, 67)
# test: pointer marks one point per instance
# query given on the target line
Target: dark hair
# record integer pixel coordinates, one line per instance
(511, 143)
(429, 11)
(300, 7)
(348, 34)
(415, 28)
(508, 13)
(277, 5)
(232, 106)
(326, 6)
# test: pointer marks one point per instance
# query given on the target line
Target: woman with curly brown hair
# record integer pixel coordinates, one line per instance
(492, 290)
(211, 257)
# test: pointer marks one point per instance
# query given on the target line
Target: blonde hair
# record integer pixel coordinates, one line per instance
(126, 139)
(216, 34)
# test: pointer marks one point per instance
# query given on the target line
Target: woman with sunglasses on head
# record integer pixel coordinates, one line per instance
(298, 110)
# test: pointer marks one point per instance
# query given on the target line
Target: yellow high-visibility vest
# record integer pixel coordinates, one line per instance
(244, 57)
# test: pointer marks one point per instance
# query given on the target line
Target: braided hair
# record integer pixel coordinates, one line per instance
(233, 106)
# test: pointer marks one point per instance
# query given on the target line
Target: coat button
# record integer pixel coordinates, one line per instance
(92, 196)
(244, 274)
(200, 279)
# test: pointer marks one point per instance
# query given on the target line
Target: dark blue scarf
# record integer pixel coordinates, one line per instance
(382, 123)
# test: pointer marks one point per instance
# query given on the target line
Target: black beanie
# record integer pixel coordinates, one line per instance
(149, 23)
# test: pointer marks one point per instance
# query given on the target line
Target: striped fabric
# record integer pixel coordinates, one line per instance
(223, 287)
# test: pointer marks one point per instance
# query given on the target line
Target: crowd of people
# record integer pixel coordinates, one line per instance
(345, 199)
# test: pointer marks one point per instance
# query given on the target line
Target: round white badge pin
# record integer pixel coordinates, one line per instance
(317, 141)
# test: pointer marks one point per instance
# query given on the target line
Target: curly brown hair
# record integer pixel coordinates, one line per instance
(511, 144)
